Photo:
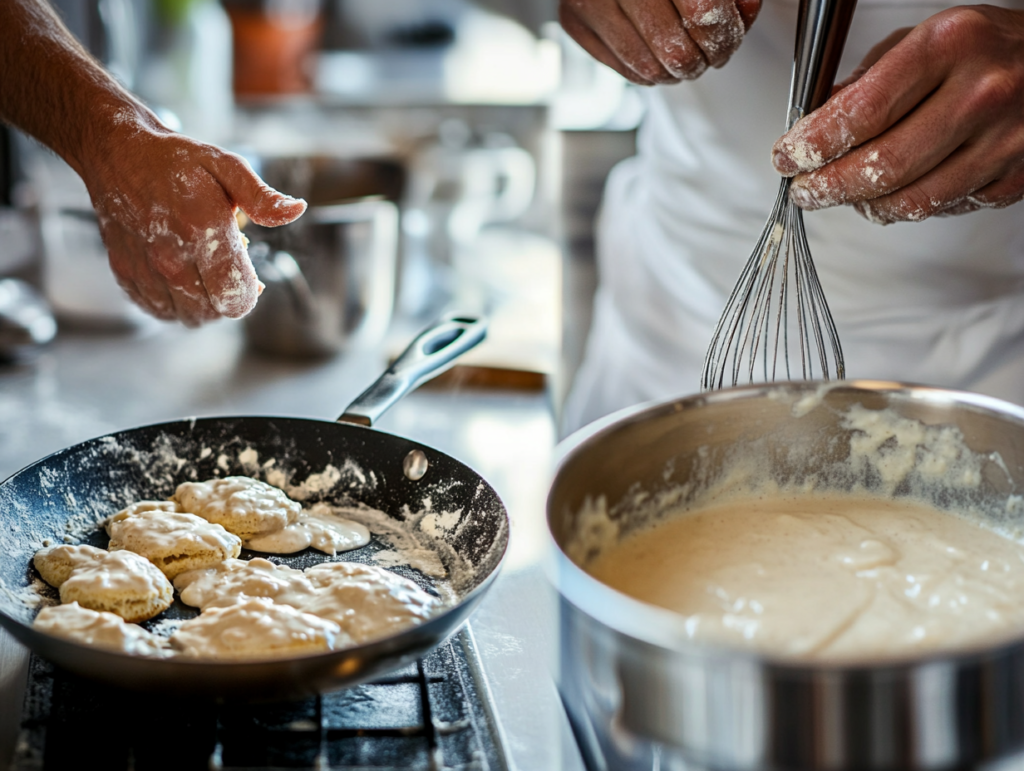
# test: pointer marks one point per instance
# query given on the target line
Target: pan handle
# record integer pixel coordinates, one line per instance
(432, 352)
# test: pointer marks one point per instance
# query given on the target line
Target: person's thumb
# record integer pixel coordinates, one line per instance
(261, 203)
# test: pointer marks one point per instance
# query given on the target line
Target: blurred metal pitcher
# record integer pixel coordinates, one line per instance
(330, 275)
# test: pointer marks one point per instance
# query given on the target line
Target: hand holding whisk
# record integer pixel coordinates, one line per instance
(778, 305)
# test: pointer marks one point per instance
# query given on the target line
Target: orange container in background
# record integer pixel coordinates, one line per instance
(274, 46)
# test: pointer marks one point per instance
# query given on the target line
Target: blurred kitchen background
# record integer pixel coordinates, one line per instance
(469, 140)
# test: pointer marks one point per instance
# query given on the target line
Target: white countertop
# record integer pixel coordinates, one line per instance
(88, 384)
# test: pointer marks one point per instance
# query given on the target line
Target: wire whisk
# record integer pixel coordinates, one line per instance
(778, 308)
(778, 293)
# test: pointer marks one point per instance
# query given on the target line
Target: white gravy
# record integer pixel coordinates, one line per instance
(825, 577)
(244, 506)
(236, 580)
(320, 529)
(255, 629)
(117, 574)
(366, 601)
(158, 533)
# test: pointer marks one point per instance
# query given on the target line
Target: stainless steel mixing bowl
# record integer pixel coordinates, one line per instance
(330, 276)
(642, 695)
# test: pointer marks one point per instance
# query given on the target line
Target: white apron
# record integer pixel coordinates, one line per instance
(939, 302)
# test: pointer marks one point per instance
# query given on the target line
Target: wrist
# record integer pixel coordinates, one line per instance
(108, 130)
(112, 142)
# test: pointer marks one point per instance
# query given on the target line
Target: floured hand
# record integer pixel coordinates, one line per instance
(931, 123)
(166, 207)
(165, 202)
(659, 41)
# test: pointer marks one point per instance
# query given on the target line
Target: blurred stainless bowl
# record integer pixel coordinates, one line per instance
(642, 695)
(330, 275)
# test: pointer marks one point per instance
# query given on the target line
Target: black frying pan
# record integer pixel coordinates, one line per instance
(70, 491)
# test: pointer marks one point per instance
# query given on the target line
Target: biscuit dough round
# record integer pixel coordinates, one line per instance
(173, 541)
(256, 629)
(55, 563)
(119, 582)
(244, 506)
(98, 628)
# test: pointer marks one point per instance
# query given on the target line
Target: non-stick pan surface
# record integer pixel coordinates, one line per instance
(64, 497)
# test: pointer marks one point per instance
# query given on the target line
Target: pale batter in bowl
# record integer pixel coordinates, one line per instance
(825, 576)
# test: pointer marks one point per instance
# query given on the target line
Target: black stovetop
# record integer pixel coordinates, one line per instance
(430, 715)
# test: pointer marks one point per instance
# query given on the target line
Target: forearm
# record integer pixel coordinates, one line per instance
(164, 202)
(52, 89)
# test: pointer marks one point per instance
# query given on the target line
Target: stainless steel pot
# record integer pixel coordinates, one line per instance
(642, 695)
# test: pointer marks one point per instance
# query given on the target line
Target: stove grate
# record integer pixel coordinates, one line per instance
(430, 715)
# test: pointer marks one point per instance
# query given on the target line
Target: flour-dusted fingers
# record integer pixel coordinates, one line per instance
(603, 27)
(935, 120)
(996, 195)
(1003, 192)
(963, 207)
(142, 285)
(162, 311)
(865, 109)
(222, 261)
(179, 276)
(166, 208)
(154, 283)
(596, 47)
(665, 32)
(904, 154)
(954, 189)
(652, 42)
(932, 194)
(196, 249)
(716, 26)
(227, 273)
(163, 201)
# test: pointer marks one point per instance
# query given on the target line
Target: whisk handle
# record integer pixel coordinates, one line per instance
(821, 32)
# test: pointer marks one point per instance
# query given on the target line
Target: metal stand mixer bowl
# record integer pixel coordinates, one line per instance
(642, 695)
(330, 275)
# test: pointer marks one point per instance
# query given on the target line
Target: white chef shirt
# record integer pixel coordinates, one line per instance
(939, 302)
